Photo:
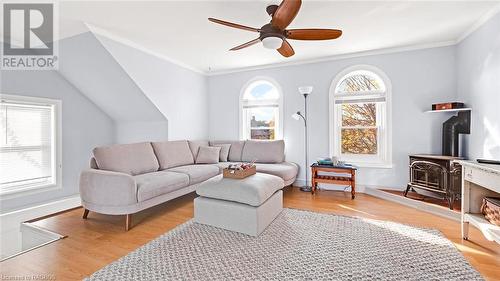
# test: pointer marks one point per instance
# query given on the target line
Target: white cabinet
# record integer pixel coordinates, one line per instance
(478, 181)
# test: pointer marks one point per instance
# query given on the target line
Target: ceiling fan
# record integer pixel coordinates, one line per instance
(274, 35)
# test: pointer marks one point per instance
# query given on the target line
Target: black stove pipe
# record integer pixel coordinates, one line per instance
(454, 126)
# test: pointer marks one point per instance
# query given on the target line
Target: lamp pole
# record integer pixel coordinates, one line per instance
(305, 91)
(306, 186)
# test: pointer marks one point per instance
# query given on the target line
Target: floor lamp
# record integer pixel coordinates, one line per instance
(305, 91)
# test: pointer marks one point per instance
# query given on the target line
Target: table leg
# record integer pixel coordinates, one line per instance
(313, 182)
(465, 206)
(353, 184)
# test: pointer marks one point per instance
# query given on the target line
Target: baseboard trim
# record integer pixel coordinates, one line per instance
(15, 218)
(421, 206)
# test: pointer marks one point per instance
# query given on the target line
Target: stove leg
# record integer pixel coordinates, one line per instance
(408, 187)
(451, 200)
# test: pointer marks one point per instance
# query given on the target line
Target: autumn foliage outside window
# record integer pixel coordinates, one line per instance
(359, 131)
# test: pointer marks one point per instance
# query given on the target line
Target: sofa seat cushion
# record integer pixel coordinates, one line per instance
(173, 153)
(158, 183)
(197, 173)
(263, 151)
(286, 170)
(253, 190)
(132, 159)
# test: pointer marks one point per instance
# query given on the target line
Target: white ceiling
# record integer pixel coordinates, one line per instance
(180, 29)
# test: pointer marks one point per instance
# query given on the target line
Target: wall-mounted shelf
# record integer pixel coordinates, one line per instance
(451, 110)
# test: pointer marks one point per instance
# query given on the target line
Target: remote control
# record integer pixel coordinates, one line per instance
(487, 161)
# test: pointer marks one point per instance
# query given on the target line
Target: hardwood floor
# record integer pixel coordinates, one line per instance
(99, 240)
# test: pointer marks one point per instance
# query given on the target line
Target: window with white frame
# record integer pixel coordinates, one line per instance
(360, 117)
(261, 110)
(29, 144)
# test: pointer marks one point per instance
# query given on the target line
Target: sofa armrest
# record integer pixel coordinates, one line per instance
(107, 188)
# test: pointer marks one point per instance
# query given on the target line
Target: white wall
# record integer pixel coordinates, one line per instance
(179, 93)
(86, 64)
(478, 80)
(419, 78)
(84, 126)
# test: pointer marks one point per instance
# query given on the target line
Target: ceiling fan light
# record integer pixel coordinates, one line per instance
(272, 42)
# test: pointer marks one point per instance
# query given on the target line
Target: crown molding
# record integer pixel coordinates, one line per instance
(102, 32)
(480, 22)
(338, 57)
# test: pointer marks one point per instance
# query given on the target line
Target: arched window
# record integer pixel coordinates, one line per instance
(360, 116)
(261, 110)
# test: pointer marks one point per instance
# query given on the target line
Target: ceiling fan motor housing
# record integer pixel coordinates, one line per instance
(270, 31)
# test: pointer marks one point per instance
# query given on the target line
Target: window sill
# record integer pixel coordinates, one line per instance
(29, 190)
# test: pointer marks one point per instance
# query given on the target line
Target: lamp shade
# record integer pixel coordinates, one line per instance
(306, 90)
(296, 116)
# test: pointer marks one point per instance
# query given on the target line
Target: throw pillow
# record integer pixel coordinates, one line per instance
(208, 155)
(224, 151)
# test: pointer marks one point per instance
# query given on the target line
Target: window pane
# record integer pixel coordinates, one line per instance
(25, 125)
(262, 134)
(261, 90)
(26, 152)
(360, 81)
(20, 166)
(359, 114)
(359, 141)
(262, 122)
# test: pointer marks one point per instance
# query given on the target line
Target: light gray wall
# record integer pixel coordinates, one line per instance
(86, 64)
(478, 80)
(179, 93)
(84, 126)
(419, 78)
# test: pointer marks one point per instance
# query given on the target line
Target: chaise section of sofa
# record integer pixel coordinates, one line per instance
(127, 178)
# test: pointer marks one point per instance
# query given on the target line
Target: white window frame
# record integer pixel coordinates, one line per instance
(383, 158)
(244, 127)
(56, 144)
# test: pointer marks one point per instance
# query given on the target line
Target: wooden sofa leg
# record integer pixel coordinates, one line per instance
(85, 214)
(128, 222)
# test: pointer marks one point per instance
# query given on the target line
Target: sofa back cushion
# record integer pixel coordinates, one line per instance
(195, 146)
(173, 153)
(133, 159)
(208, 155)
(235, 150)
(224, 151)
(264, 151)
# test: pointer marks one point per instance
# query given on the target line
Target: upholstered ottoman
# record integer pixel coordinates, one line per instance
(243, 205)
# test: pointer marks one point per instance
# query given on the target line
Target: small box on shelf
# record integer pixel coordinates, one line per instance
(448, 105)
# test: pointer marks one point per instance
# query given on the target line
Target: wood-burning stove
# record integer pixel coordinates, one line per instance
(436, 176)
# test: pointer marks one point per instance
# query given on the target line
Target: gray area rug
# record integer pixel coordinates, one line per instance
(298, 245)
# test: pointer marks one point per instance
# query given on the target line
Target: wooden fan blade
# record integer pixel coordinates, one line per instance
(234, 25)
(247, 44)
(286, 49)
(285, 13)
(313, 34)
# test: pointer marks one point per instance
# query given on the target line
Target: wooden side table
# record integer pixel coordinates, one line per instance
(340, 179)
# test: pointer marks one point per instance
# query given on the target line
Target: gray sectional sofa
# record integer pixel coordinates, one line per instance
(127, 178)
